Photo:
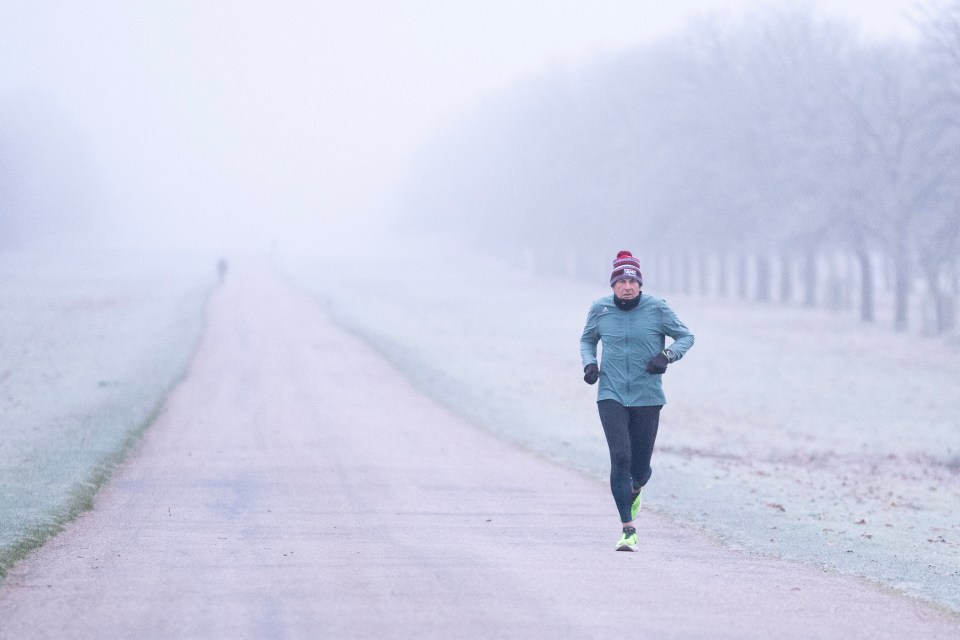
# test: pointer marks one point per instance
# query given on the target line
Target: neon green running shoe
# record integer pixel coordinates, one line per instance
(628, 541)
(635, 507)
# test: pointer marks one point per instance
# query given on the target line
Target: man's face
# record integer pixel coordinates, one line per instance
(627, 289)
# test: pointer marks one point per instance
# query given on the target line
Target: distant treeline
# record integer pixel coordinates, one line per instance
(48, 186)
(778, 158)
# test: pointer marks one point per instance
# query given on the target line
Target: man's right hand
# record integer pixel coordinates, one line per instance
(591, 373)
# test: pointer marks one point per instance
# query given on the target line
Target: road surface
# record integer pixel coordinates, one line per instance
(297, 486)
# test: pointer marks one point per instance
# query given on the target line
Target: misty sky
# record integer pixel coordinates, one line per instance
(244, 123)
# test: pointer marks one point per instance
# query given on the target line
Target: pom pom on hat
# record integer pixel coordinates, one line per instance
(625, 267)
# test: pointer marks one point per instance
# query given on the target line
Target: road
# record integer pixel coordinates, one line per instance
(297, 486)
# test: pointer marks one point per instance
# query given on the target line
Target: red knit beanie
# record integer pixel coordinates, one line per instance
(626, 267)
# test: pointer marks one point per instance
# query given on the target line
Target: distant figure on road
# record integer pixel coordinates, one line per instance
(222, 269)
(633, 328)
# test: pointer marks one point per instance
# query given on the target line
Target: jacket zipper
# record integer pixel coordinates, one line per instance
(626, 353)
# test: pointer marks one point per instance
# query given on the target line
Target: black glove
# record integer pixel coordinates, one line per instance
(658, 364)
(590, 373)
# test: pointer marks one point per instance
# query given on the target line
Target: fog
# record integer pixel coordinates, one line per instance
(788, 174)
(246, 125)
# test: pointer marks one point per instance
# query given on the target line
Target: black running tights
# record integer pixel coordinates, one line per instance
(630, 432)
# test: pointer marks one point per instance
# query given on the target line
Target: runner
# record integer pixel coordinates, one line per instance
(633, 328)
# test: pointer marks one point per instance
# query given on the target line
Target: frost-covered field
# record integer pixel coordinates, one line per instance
(88, 349)
(787, 432)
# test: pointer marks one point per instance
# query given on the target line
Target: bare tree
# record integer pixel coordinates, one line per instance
(779, 146)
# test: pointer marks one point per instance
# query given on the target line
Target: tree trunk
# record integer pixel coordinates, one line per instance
(810, 280)
(942, 302)
(867, 301)
(723, 286)
(833, 291)
(703, 266)
(743, 277)
(901, 292)
(676, 267)
(763, 279)
(955, 277)
(686, 274)
(786, 280)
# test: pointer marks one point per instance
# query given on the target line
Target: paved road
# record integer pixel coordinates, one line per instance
(298, 487)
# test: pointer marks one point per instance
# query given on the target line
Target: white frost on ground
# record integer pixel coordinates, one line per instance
(88, 349)
(787, 432)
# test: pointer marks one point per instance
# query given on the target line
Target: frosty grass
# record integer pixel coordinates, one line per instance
(787, 432)
(88, 349)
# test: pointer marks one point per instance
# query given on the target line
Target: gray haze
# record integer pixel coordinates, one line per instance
(244, 124)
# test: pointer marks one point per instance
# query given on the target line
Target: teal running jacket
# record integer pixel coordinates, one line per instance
(630, 339)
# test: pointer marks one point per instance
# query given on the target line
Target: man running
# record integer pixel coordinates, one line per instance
(633, 328)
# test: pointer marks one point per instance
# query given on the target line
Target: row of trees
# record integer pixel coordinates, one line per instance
(747, 155)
